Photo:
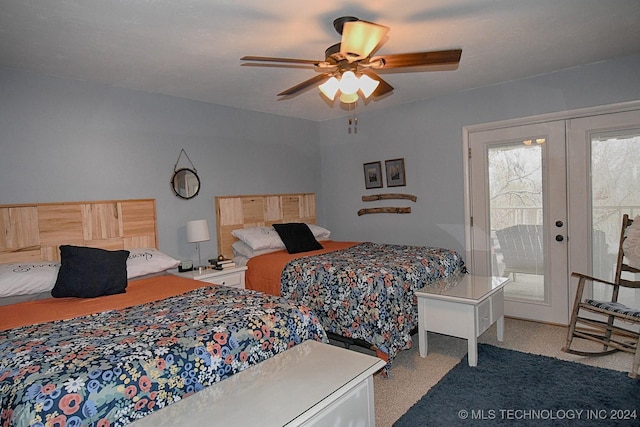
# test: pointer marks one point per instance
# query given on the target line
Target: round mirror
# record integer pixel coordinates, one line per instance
(185, 183)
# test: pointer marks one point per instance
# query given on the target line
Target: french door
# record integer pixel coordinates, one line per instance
(606, 154)
(519, 201)
(546, 199)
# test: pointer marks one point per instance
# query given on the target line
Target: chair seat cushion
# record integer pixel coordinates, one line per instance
(615, 307)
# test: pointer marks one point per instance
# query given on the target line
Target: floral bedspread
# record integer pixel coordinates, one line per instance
(368, 291)
(111, 368)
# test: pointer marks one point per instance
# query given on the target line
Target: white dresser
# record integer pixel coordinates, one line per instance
(311, 384)
(233, 277)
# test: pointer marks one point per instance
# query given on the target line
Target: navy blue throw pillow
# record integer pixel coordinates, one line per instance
(90, 272)
(297, 237)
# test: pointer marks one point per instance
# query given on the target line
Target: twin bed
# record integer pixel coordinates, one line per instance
(123, 353)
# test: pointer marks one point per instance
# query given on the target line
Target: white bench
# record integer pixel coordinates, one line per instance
(309, 384)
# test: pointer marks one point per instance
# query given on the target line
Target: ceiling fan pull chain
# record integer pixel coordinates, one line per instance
(353, 117)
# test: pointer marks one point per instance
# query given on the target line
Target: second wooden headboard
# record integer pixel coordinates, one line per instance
(233, 212)
(33, 232)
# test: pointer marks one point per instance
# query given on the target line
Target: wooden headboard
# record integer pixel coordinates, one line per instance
(233, 212)
(33, 232)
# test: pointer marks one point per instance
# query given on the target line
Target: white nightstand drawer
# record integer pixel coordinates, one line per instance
(232, 279)
(497, 305)
(483, 313)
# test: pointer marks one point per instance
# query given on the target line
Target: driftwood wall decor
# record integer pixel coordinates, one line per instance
(374, 197)
(384, 210)
(391, 209)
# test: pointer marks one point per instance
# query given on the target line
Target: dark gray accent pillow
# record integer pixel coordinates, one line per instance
(90, 272)
(297, 237)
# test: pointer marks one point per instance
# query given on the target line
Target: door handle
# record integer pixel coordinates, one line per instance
(559, 237)
(559, 223)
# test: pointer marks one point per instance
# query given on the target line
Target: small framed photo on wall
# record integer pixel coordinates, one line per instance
(373, 175)
(395, 173)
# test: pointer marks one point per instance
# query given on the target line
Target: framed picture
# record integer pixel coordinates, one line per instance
(373, 175)
(395, 173)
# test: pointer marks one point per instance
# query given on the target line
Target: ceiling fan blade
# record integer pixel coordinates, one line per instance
(400, 60)
(286, 60)
(360, 38)
(383, 86)
(318, 79)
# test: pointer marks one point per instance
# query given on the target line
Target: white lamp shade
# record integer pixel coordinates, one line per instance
(330, 87)
(368, 85)
(197, 231)
(348, 83)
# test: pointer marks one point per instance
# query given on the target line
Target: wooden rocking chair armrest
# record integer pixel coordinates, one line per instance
(595, 279)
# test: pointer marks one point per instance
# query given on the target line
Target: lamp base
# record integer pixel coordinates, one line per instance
(200, 266)
(201, 269)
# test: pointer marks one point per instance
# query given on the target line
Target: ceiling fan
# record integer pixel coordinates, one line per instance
(349, 67)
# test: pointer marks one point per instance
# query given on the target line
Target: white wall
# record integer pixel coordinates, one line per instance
(428, 135)
(64, 140)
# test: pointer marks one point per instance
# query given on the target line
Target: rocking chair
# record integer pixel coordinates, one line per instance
(610, 323)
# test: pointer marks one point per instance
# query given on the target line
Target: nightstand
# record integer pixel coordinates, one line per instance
(233, 277)
(465, 310)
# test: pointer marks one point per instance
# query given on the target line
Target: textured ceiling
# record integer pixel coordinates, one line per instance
(192, 48)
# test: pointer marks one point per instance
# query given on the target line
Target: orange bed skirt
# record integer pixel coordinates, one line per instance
(138, 292)
(264, 271)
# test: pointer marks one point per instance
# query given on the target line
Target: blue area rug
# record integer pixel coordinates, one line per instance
(521, 389)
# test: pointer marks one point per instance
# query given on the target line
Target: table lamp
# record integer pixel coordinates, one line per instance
(198, 231)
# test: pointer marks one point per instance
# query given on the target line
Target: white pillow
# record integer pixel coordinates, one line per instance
(27, 278)
(319, 233)
(240, 248)
(148, 261)
(260, 238)
(631, 245)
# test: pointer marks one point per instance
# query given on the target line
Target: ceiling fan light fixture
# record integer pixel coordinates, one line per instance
(330, 88)
(349, 83)
(367, 85)
(348, 98)
(359, 38)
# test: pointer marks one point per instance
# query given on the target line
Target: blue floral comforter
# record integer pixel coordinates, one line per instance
(111, 368)
(367, 291)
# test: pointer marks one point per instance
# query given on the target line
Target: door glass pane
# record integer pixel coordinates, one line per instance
(615, 174)
(516, 217)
